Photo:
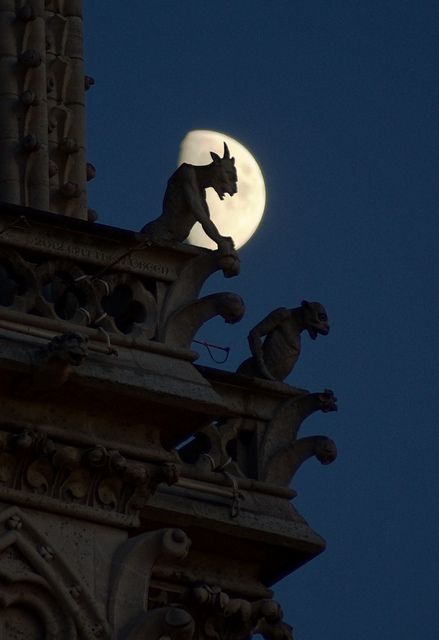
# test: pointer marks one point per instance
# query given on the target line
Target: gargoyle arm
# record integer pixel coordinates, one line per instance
(200, 209)
(268, 324)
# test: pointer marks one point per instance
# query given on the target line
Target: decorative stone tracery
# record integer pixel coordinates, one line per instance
(117, 301)
(41, 595)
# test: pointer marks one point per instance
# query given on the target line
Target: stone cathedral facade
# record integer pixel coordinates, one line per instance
(141, 496)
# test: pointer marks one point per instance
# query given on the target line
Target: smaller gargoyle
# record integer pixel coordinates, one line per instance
(184, 202)
(54, 363)
(276, 356)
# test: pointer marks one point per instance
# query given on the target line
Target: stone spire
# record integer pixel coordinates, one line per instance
(42, 128)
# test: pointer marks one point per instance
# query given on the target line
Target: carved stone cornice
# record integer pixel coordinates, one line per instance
(98, 478)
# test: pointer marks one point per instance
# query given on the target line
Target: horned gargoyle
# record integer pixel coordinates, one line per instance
(184, 202)
(276, 356)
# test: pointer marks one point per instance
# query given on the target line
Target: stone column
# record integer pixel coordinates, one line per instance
(42, 112)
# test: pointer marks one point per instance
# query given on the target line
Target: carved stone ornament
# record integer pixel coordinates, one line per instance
(281, 452)
(41, 595)
(97, 477)
(121, 303)
(184, 202)
(53, 364)
(270, 452)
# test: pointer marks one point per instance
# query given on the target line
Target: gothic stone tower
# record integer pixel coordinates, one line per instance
(141, 496)
(42, 83)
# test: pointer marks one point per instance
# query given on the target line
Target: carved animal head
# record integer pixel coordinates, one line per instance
(70, 348)
(315, 319)
(325, 451)
(327, 401)
(232, 307)
(224, 177)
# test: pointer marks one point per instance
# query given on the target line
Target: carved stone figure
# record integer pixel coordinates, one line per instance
(54, 363)
(220, 616)
(184, 202)
(69, 348)
(275, 357)
(43, 594)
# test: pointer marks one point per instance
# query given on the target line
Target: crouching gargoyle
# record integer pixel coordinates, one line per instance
(184, 202)
(276, 356)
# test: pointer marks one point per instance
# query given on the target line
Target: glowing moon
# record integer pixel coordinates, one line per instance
(237, 216)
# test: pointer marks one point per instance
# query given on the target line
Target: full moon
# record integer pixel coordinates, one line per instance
(237, 216)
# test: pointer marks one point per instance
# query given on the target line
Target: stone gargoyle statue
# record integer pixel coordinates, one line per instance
(276, 356)
(184, 202)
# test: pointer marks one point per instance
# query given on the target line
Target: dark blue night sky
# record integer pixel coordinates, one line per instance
(339, 102)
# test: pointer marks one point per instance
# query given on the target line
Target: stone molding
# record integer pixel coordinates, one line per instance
(126, 296)
(95, 477)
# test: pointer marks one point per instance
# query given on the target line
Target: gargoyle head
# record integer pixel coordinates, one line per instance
(223, 175)
(315, 319)
(327, 401)
(232, 307)
(326, 451)
(70, 348)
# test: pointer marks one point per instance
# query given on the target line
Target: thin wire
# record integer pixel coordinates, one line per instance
(209, 345)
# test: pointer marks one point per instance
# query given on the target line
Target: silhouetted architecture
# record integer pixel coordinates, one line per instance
(141, 496)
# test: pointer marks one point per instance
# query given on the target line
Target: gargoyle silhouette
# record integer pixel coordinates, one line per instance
(275, 357)
(184, 202)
